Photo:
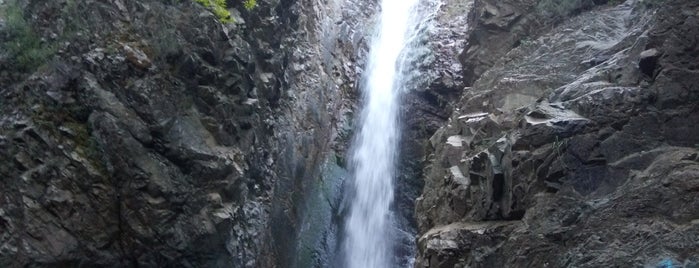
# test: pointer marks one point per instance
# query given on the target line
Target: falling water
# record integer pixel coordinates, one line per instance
(368, 242)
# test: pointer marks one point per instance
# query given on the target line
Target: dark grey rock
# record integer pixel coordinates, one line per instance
(649, 61)
(570, 140)
(157, 136)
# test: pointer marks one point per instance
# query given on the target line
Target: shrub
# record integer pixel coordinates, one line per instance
(249, 4)
(23, 45)
(218, 7)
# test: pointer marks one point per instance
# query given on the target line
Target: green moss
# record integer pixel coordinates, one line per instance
(219, 8)
(249, 4)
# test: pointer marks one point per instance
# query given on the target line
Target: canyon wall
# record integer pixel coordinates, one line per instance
(155, 135)
(538, 133)
(573, 142)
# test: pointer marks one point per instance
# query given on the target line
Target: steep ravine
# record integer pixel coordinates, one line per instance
(538, 133)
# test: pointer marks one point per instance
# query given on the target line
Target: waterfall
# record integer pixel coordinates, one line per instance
(369, 227)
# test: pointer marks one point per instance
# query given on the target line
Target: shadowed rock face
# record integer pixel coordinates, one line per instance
(573, 147)
(157, 136)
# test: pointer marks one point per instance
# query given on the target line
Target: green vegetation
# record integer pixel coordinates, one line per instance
(23, 45)
(249, 4)
(220, 9)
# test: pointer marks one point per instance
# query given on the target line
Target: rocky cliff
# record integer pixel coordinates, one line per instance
(573, 143)
(150, 134)
(542, 133)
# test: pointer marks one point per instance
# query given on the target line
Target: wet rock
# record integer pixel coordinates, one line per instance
(548, 123)
(649, 61)
(158, 136)
(499, 15)
(137, 57)
(568, 137)
(446, 246)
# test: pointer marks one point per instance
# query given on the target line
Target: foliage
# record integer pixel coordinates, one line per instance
(23, 45)
(219, 8)
(249, 4)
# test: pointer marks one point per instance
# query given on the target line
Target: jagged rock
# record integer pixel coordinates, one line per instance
(547, 123)
(446, 246)
(137, 57)
(157, 136)
(589, 142)
(649, 61)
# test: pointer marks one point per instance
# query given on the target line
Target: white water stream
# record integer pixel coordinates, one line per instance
(368, 230)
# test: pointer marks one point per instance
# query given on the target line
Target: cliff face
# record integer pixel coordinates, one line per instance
(157, 136)
(574, 143)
